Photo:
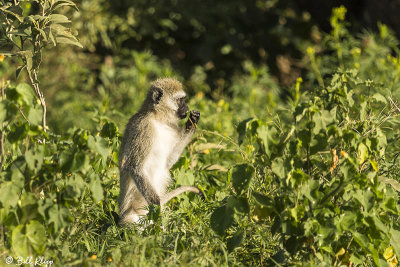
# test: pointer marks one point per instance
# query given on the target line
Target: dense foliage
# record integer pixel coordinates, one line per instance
(301, 172)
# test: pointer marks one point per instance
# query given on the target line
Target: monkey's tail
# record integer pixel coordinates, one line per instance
(180, 190)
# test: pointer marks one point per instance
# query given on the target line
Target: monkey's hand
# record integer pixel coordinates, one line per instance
(194, 117)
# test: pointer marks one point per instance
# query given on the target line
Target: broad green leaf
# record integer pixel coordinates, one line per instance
(59, 217)
(26, 93)
(35, 115)
(239, 205)
(241, 177)
(9, 194)
(80, 162)
(3, 111)
(58, 18)
(379, 98)
(310, 190)
(184, 177)
(261, 199)
(362, 153)
(318, 143)
(234, 241)
(374, 164)
(18, 133)
(73, 162)
(395, 240)
(60, 3)
(221, 219)
(34, 158)
(65, 40)
(395, 184)
(365, 197)
(346, 221)
(19, 241)
(109, 130)
(19, 69)
(99, 145)
(36, 234)
(96, 188)
(278, 168)
(241, 129)
(322, 119)
(269, 137)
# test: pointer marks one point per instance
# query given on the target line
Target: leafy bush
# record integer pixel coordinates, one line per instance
(323, 166)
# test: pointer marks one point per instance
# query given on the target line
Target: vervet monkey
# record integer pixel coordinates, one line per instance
(152, 143)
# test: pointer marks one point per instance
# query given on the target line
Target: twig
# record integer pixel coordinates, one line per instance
(33, 78)
(394, 104)
(3, 97)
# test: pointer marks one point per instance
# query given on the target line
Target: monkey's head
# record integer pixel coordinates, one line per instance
(168, 98)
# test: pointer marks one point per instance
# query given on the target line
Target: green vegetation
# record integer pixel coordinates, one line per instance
(299, 170)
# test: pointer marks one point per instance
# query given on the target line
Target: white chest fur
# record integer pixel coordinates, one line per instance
(155, 166)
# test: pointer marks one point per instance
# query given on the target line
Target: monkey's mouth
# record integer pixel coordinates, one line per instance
(182, 112)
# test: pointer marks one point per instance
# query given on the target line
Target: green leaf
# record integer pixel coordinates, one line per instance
(365, 197)
(374, 164)
(109, 130)
(241, 177)
(239, 205)
(278, 168)
(58, 18)
(73, 162)
(26, 93)
(221, 219)
(60, 3)
(379, 98)
(395, 185)
(19, 241)
(99, 145)
(362, 153)
(184, 177)
(261, 199)
(9, 194)
(269, 137)
(322, 119)
(36, 234)
(3, 111)
(35, 115)
(241, 129)
(18, 71)
(34, 158)
(65, 40)
(234, 241)
(59, 217)
(395, 240)
(346, 221)
(96, 188)
(18, 133)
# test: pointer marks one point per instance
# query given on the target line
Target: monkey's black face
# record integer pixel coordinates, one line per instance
(182, 108)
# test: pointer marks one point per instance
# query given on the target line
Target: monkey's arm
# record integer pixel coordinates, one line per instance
(186, 136)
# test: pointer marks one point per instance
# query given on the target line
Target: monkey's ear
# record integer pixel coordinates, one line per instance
(157, 95)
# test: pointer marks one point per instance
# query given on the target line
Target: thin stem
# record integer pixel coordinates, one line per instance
(3, 97)
(33, 78)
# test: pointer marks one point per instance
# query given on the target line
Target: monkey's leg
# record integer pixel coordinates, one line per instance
(178, 191)
(132, 202)
(145, 188)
